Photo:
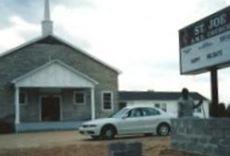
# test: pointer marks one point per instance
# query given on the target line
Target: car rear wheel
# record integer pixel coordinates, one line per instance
(163, 129)
(108, 132)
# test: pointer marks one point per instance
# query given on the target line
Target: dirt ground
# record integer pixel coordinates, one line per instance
(71, 143)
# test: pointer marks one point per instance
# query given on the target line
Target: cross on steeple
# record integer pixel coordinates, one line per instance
(47, 24)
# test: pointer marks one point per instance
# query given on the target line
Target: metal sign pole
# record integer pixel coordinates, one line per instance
(214, 91)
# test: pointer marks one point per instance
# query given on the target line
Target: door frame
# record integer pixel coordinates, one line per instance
(40, 106)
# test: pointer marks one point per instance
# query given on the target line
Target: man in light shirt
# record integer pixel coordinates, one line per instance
(187, 105)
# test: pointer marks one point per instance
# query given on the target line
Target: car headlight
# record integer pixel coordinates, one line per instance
(89, 126)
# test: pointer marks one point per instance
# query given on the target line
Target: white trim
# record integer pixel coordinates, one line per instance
(102, 101)
(50, 63)
(47, 11)
(84, 98)
(93, 110)
(62, 40)
(17, 106)
(26, 98)
(40, 106)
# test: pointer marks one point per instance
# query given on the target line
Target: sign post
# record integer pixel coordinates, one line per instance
(205, 47)
(214, 90)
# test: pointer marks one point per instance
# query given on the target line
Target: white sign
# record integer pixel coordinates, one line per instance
(206, 44)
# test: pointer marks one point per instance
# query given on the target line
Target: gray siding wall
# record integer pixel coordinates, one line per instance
(31, 57)
(31, 111)
(74, 112)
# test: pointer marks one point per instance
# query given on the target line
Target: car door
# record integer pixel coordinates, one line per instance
(152, 118)
(132, 123)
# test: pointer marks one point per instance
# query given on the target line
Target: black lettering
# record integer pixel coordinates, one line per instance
(205, 45)
(214, 54)
(186, 51)
(195, 60)
(224, 38)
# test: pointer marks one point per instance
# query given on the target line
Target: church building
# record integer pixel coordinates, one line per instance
(49, 83)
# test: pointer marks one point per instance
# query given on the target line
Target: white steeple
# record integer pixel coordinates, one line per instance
(47, 24)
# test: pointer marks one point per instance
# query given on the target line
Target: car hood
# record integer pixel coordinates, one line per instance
(100, 121)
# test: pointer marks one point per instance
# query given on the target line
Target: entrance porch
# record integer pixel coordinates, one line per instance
(53, 97)
(44, 126)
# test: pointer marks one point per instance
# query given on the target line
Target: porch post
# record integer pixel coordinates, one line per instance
(17, 106)
(93, 115)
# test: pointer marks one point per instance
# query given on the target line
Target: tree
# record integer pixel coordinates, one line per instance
(228, 111)
(213, 110)
(221, 111)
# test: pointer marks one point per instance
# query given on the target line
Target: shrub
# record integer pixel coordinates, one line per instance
(228, 111)
(5, 127)
(213, 110)
(219, 110)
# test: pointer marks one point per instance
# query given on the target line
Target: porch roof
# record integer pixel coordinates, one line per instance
(55, 74)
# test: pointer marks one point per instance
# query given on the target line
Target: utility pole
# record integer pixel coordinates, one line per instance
(214, 91)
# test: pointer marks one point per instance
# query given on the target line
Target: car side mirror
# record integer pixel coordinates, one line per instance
(125, 116)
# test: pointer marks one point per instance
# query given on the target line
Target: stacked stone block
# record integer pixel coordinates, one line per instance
(204, 136)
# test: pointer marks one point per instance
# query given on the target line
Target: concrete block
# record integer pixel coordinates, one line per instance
(209, 136)
(125, 149)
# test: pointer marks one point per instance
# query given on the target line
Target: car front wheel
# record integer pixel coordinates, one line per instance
(108, 132)
(95, 137)
(163, 129)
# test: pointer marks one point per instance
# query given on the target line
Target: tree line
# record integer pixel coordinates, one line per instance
(220, 111)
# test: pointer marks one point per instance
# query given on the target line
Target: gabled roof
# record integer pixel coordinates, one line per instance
(54, 73)
(53, 39)
(152, 95)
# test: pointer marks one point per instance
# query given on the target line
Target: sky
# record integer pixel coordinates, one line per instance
(139, 37)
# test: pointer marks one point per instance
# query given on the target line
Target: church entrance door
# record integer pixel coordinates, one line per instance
(50, 108)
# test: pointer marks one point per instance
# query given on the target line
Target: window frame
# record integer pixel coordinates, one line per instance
(74, 98)
(102, 101)
(198, 110)
(158, 113)
(157, 105)
(26, 99)
(164, 107)
(139, 109)
(161, 106)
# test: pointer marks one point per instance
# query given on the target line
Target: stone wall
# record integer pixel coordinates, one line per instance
(205, 136)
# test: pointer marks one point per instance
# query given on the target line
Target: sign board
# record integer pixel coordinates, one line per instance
(206, 43)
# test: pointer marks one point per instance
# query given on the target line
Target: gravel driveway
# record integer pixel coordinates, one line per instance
(71, 143)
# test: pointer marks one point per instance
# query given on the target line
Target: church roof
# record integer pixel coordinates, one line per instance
(152, 95)
(49, 38)
(53, 39)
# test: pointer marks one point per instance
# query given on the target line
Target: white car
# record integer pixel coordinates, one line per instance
(129, 120)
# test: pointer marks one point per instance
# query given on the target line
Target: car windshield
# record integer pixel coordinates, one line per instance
(120, 113)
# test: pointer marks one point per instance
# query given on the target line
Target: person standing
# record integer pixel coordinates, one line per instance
(186, 104)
